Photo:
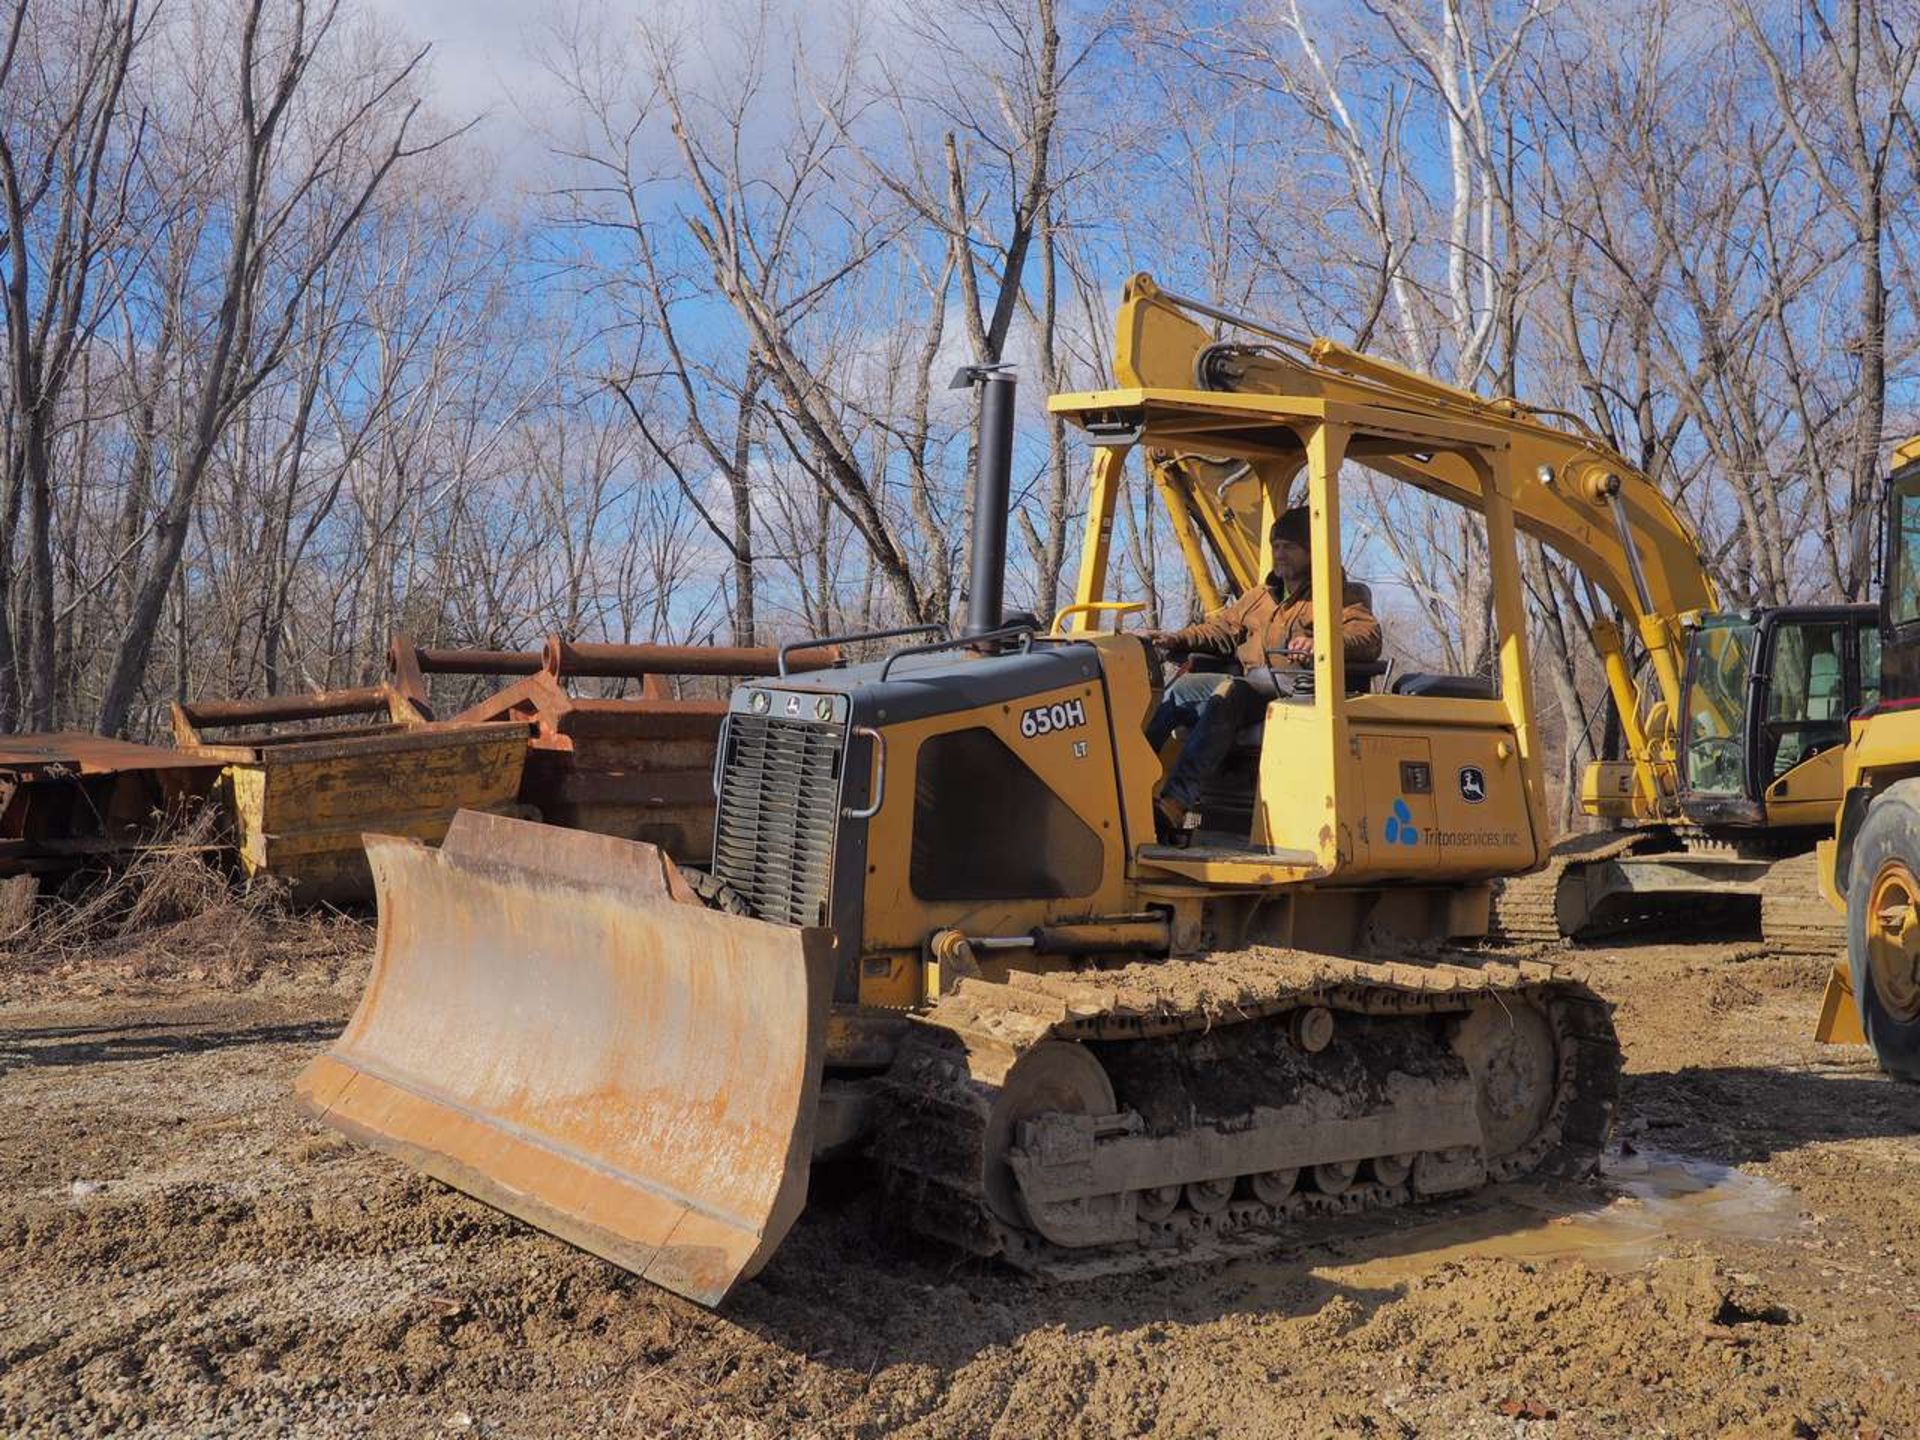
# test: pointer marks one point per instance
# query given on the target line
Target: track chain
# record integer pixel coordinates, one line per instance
(932, 1137)
(1795, 918)
(1524, 906)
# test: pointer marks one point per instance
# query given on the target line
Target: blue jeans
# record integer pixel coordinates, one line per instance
(1212, 709)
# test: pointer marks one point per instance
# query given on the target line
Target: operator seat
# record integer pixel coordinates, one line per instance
(1441, 686)
(1825, 722)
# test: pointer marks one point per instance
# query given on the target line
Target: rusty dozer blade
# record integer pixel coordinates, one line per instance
(557, 1027)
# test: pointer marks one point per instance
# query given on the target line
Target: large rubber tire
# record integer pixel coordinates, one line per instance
(1884, 878)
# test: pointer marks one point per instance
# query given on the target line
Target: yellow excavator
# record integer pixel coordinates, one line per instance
(939, 930)
(1732, 776)
(1870, 866)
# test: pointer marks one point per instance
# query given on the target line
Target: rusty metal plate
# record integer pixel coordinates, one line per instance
(92, 754)
(548, 1029)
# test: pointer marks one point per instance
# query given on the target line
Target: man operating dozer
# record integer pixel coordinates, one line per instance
(1270, 626)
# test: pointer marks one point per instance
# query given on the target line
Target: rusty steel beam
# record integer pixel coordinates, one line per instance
(633, 662)
(409, 665)
(478, 662)
(31, 754)
(270, 709)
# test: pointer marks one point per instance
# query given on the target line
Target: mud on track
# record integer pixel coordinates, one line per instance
(187, 1255)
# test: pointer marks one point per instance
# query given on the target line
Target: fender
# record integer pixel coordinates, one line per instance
(1853, 814)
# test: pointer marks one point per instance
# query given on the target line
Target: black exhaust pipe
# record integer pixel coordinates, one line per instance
(992, 493)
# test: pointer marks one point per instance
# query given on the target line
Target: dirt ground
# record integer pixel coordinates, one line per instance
(187, 1255)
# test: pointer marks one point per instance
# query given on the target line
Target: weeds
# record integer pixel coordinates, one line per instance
(178, 911)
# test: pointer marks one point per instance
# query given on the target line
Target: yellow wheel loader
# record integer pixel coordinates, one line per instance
(1870, 867)
(939, 930)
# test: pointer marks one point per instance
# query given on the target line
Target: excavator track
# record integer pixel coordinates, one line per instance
(1120, 1115)
(1525, 906)
(1795, 918)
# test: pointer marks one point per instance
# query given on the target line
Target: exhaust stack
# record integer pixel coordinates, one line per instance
(992, 490)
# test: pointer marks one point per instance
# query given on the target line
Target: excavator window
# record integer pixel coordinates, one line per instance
(1806, 695)
(1719, 659)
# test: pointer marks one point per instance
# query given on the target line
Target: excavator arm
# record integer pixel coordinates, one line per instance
(1571, 491)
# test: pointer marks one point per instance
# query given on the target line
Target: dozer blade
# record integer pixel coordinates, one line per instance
(557, 1027)
(1839, 1022)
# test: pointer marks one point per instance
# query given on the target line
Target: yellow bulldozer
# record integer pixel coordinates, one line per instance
(939, 929)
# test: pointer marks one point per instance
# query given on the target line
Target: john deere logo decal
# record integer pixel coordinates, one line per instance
(1473, 784)
(1400, 827)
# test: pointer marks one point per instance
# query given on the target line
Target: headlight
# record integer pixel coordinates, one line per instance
(759, 702)
(823, 708)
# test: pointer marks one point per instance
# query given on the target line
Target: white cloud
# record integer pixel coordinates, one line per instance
(483, 64)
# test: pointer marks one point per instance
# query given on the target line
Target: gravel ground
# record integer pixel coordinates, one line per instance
(189, 1256)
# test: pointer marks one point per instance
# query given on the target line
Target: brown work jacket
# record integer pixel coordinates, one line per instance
(1256, 628)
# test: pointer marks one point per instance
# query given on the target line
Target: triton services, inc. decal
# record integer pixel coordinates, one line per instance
(1490, 839)
(1400, 830)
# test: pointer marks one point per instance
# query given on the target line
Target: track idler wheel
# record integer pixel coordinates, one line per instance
(1335, 1177)
(1514, 1058)
(1055, 1077)
(1156, 1204)
(1270, 1187)
(1209, 1197)
(1392, 1169)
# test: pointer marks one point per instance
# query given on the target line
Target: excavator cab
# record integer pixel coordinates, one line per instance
(1766, 698)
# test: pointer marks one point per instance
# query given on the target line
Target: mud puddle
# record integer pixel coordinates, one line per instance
(1662, 1198)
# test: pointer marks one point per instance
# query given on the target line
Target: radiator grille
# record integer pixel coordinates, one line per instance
(779, 808)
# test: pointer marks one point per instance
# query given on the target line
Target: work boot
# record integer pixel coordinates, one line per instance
(1174, 822)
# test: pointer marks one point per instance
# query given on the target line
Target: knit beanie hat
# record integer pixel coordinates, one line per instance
(1294, 525)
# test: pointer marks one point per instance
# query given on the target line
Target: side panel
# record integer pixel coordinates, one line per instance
(1439, 787)
(1297, 808)
(1482, 824)
(1448, 802)
(1063, 740)
(1607, 789)
(1809, 793)
(1397, 783)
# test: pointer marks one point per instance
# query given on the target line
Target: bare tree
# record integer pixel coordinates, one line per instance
(293, 209)
(67, 155)
(1843, 108)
